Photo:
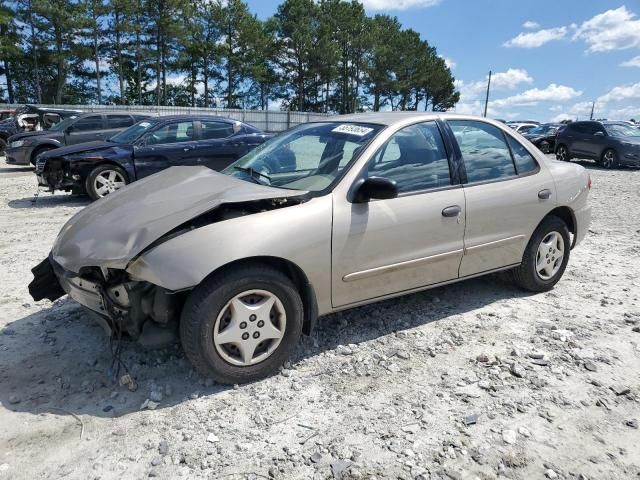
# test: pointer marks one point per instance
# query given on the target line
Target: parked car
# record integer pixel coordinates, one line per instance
(522, 127)
(25, 147)
(324, 217)
(5, 114)
(30, 118)
(149, 146)
(543, 136)
(610, 144)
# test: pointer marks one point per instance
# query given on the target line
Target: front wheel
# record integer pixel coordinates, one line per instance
(105, 179)
(3, 146)
(242, 326)
(546, 256)
(609, 159)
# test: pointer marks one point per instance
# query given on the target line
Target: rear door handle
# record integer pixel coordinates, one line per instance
(452, 211)
(544, 194)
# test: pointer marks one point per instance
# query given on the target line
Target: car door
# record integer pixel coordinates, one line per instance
(85, 129)
(116, 122)
(507, 194)
(597, 140)
(170, 144)
(218, 145)
(383, 247)
(586, 142)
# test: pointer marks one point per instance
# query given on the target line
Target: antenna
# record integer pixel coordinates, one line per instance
(486, 100)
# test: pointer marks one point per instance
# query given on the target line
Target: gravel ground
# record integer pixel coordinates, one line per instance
(473, 381)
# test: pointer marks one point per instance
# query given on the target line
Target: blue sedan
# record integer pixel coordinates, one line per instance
(149, 146)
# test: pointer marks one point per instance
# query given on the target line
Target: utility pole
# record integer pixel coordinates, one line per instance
(486, 100)
(593, 106)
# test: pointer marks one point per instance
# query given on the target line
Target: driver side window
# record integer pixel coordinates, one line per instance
(414, 157)
(172, 133)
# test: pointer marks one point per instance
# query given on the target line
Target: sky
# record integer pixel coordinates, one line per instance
(550, 58)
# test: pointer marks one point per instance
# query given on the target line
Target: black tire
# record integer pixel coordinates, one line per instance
(545, 147)
(40, 151)
(526, 275)
(609, 159)
(208, 300)
(3, 146)
(90, 181)
(562, 153)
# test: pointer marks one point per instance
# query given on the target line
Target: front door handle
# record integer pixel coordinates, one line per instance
(544, 194)
(186, 149)
(452, 211)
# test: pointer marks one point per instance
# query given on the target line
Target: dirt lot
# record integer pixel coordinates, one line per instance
(475, 380)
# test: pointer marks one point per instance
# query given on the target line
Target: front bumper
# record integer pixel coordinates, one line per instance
(146, 312)
(18, 156)
(53, 175)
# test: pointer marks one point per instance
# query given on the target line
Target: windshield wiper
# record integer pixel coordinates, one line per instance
(254, 174)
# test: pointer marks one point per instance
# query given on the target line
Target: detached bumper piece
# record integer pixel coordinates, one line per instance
(45, 283)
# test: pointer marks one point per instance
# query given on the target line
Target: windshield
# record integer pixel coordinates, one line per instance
(309, 157)
(543, 130)
(133, 133)
(621, 130)
(58, 127)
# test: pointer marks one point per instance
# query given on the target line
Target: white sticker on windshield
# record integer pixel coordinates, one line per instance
(144, 124)
(353, 129)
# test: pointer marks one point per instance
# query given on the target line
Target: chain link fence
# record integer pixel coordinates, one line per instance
(266, 120)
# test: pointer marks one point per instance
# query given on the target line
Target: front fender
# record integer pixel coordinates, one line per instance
(300, 234)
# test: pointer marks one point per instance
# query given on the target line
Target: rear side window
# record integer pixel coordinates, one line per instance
(92, 122)
(119, 121)
(213, 130)
(522, 158)
(484, 151)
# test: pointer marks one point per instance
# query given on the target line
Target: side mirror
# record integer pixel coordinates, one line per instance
(373, 188)
(69, 129)
(598, 134)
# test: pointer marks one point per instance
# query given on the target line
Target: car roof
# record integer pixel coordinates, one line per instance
(392, 118)
(196, 117)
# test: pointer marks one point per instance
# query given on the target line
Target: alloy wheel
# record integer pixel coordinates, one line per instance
(562, 154)
(249, 327)
(608, 159)
(550, 255)
(108, 181)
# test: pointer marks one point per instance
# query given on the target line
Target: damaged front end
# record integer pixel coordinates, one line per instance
(54, 174)
(144, 311)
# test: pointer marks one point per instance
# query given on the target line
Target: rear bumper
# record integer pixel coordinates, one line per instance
(583, 220)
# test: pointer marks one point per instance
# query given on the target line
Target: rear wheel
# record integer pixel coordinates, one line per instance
(546, 256)
(241, 326)
(562, 153)
(105, 179)
(609, 159)
(545, 147)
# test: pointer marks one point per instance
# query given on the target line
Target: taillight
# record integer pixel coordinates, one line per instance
(589, 182)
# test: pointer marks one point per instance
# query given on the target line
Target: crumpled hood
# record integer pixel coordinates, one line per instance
(113, 230)
(41, 133)
(88, 147)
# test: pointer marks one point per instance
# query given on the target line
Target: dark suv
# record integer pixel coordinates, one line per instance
(610, 144)
(87, 127)
(30, 118)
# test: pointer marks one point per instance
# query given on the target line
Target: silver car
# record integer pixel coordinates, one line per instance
(324, 217)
